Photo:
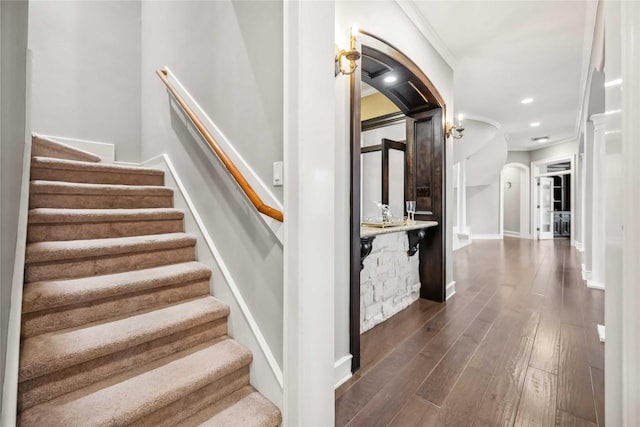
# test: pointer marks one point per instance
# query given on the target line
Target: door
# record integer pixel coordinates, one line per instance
(545, 208)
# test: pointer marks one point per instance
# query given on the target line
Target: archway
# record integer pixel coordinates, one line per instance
(515, 197)
(422, 106)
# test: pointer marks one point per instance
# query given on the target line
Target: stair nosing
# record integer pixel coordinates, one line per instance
(82, 188)
(122, 333)
(60, 293)
(53, 251)
(44, 162)
(78, 215)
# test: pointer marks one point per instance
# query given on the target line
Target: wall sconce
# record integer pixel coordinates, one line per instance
(351, 55)
(456, 131)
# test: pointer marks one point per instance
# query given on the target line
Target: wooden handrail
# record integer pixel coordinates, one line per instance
(226, 161)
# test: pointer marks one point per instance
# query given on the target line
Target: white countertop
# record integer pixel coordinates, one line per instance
(368, 231)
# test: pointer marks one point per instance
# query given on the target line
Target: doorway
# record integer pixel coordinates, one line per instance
(514, 196)
(393, 74)
(553, 193)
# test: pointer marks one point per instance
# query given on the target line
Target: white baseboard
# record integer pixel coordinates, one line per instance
(460, 243)
(266, 374)
(601, 333)
(579, 246)
(591, 284)
(450, 290)
(343, 370)
(486, 236)
(511, 233)
(106, 151)
(586, 274)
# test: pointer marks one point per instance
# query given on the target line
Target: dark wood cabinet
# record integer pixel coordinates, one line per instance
(561, 224)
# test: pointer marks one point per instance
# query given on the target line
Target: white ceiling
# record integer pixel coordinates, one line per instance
(504, 51)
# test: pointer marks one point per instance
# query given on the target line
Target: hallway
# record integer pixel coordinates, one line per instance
(517, 345)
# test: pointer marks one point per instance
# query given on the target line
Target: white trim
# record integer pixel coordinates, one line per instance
(486, 236)
(260, 347)
(105, 150)
(247, 171)
(586, 274)
(580, 247)
(343, 370)
(629, 290)
(595, 285)
(450, 290)
(601, 332)
(511, 234)
(12, 356)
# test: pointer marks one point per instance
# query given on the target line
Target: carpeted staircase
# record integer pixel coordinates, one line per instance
(118, 326)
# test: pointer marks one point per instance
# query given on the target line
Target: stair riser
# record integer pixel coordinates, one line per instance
(88, 201)
(100, 230)
(95, 177)
(94, 266)
(44, 321)
(50, 386)
(192, 403)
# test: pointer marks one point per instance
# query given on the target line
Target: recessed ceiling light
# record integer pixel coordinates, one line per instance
(541, 139)
(526, 101)
(616, 82)
(534, 124)
(390, 79)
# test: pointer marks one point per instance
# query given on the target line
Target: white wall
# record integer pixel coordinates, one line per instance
(228, 55)
(523, 157)
(86, 72)
(565, 149)
(483, 208)
(512, 195)
(13, 45)
(386, 20)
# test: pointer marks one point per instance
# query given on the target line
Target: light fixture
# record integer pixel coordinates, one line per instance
(541, 139)
(390, 79)
(616, 82)
(534, 124)
(526, 101)
(456, 131)
(351, 55)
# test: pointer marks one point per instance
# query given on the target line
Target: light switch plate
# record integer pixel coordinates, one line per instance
(278, 180)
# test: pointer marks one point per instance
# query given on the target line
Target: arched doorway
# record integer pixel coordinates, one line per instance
(515, 196)
(422, 106)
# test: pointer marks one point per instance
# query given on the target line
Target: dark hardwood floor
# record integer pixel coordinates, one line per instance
(516, 346)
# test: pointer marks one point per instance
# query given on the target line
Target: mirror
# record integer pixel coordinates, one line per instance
(383, 155)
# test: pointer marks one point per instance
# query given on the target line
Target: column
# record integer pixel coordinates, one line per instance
(597, 280)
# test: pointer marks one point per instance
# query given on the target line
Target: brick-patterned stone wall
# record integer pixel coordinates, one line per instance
(389, 281)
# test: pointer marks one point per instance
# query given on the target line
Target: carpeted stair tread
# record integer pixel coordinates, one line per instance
(51, 224)
(62, 215)
(59, 293)
(59, 187)
(78, 249)
(53, 169)
(132, 396)
(43, 354)
(60, 194)
(42, 146)
(245, 407)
